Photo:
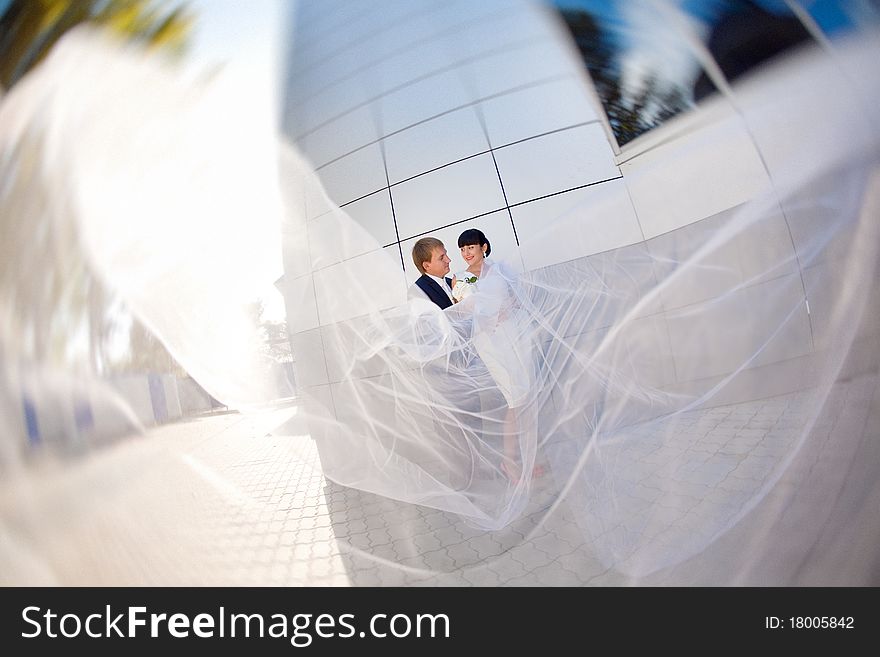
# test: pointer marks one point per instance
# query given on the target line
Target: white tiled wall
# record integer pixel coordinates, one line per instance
(319, 403)
(422, 100)
(714, 168)
(746, 253)
(357, 286)
(341, 136)
(442, 116)
(373, 212)
(696, 352)
(556, 162)
(566, 226)
(820, 281)
(424, 90)
(448, 195)
(524, 113)
(521, 65)
(355, 175)
(315, 196)
(453, 136)
(299, 296)
(344, 233)
(499, 25)
(838, 112)
(311, 368)
(346, 353)
(406, 67)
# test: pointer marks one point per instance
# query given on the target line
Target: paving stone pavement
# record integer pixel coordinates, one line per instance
(222, 501)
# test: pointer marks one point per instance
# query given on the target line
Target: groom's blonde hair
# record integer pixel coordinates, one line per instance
(423, 251)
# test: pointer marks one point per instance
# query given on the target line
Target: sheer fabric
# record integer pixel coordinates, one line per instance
(678, 392)
(125, 222)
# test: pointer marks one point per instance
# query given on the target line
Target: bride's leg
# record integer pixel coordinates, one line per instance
(512, 463)
(511, 446)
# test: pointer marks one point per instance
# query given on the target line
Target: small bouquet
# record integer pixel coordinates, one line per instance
(464, 287)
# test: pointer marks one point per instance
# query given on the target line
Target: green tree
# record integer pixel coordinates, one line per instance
(29, 28)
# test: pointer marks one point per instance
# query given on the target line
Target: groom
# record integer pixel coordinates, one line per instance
(429, 257)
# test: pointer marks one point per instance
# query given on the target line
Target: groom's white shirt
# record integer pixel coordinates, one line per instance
(415, 292)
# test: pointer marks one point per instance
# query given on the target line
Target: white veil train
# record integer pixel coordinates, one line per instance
(712, 386)
(683, 392)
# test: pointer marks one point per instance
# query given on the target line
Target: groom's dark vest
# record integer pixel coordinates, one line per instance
(434, 291)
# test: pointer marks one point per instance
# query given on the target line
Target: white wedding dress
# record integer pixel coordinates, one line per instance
(503, 332)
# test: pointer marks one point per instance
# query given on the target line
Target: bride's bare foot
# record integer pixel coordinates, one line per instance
(514, 472)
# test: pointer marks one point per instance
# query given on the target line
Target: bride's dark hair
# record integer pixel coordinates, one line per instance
(474, 236)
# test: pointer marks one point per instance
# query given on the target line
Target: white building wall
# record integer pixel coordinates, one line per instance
(429, 118)
(421, 115)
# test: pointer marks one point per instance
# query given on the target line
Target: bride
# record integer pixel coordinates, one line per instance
(474, 249)
(502, 338)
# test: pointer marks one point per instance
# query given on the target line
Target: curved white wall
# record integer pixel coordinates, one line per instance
(429, 118)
